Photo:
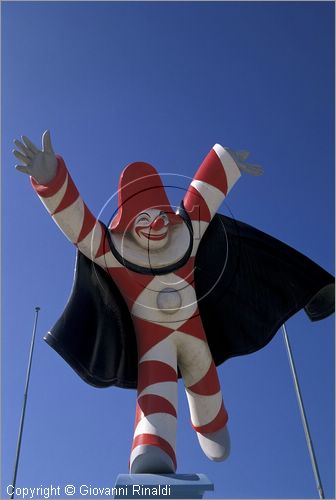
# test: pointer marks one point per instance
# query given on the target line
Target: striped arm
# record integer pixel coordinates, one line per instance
(213, 180)
(62, 200)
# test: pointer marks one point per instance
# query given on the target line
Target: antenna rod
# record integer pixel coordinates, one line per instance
(18, 447)
(303, 415)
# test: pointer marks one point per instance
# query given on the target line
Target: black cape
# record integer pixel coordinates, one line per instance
(247, 283)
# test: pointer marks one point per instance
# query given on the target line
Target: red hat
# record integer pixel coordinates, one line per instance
(140, 188)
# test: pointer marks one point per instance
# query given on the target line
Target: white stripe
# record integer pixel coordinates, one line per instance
(167, 390)
(108, 260)
(232, 172)
(158, 424)
(203, 409)
(89, 246)
(70, 220)
(199, 228)
(194, 358)
(52, 202)
(212, 196)
(163, 351)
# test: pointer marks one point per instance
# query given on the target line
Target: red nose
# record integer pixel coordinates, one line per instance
(157, 224)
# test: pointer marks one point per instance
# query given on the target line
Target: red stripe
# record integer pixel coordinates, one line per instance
(130, 283)
(148, 334)
(104, 246)
(55, 185)
(194, 327)
(151, 403)
(187, 271)
(209, 384)
(196, 206)
(153, 440)
(88, 224)
(153, 372)
(212, 172)
(138, 415)
(217, 423)
(71, 195)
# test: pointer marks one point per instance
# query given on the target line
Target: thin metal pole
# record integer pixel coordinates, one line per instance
(303, 415)
(18, 447)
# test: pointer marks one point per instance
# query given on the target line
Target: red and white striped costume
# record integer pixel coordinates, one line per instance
(165, 342)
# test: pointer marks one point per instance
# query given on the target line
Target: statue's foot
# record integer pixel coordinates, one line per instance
(147, 459)
(215, 445)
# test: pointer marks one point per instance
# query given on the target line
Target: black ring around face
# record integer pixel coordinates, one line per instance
(163, 270)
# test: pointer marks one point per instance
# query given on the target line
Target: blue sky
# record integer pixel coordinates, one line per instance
(162, 82)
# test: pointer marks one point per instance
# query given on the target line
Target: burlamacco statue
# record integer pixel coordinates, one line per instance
(161, 293)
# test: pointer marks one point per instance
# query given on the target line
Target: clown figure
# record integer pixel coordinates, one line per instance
(149, 252)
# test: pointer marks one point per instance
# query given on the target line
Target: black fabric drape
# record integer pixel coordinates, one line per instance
(247, 284)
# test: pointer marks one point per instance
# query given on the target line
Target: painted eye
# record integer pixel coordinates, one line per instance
(165, 219)
(143, 220)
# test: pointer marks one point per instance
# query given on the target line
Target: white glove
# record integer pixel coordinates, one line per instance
(240, 157)
(40, 164)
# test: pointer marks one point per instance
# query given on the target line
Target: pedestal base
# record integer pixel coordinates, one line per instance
(162, 486)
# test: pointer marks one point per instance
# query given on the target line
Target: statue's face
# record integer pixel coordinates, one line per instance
(151, 229)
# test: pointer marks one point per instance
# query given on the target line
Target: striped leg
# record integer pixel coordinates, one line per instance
(153, 449)
(207, 411)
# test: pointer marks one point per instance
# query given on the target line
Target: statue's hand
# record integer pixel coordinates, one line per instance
(240, 157)
(42, 165)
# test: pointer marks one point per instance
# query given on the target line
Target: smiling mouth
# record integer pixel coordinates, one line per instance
(155, 237)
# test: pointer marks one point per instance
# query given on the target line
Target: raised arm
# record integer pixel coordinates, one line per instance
(218, 173)
(57, 191)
